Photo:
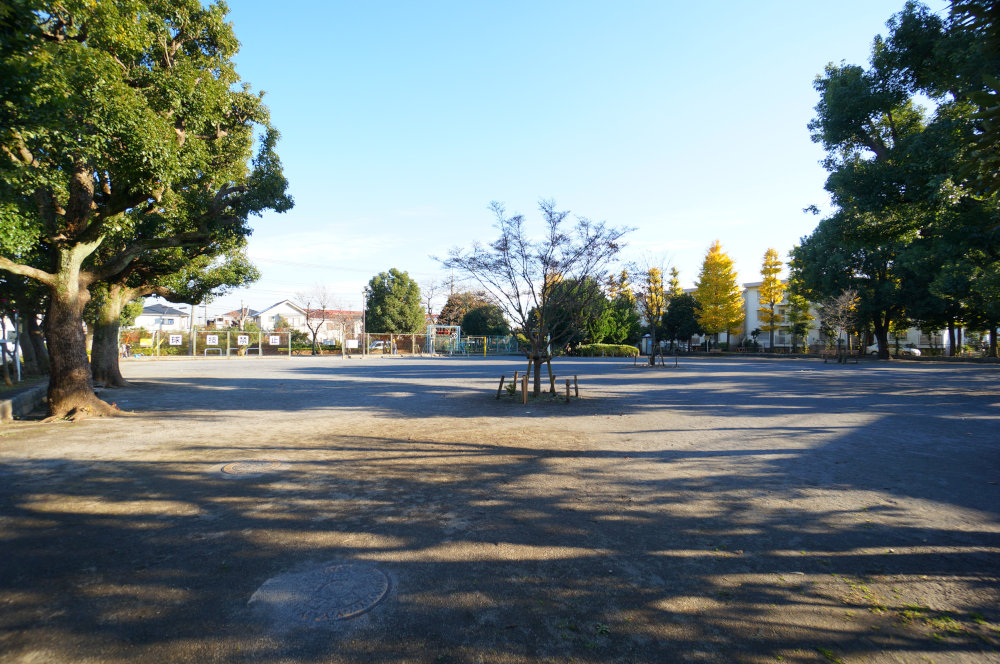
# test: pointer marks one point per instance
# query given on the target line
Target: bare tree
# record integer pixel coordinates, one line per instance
(314, 303)
(429, 290)
(520, 273)
(839, 314)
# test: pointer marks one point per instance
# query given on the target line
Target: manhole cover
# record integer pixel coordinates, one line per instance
(322, 595)
(251, 467)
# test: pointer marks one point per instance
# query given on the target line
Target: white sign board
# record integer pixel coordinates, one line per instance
(242, 339)
(175, 339)
(352, 343)
(212, 340)
(274, 339)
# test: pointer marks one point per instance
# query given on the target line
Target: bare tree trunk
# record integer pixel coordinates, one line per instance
(70, 392)
(105, 353)
(538, 360)
(993, 339)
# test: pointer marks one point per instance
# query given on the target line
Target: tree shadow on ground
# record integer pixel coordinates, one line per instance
(509, 551)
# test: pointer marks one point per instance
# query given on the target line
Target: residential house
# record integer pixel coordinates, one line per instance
(231, 319)
(335, 326)
(161, 317)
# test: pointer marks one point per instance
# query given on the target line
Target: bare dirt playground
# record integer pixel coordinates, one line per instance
(391, 510)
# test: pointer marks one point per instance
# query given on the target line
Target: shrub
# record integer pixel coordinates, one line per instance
(606, 350)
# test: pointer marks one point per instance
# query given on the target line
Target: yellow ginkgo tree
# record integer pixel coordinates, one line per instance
(719, 295)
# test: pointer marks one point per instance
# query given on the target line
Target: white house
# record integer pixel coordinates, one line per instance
(284, 313)
(163, 317)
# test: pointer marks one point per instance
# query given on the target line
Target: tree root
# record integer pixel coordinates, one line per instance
(92, 407)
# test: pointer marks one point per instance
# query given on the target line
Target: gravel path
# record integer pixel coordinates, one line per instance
(391, 510)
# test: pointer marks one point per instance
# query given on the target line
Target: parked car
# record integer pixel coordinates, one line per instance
(909, 349)
(377, 345)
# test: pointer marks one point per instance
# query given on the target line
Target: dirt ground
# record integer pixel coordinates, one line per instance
(720, 511)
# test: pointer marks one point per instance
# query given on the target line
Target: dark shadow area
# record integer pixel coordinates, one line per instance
(505, 552)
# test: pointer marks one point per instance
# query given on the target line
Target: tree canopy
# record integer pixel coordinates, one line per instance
(911, 186)
(122, 124)
(718, 292)
(772, 291)
(394, 304)
(486, 320)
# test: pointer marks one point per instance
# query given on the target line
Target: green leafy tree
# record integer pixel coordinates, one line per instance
(175, 275)
(487, 320)
(799, 316)
(621, 319)
(772, 292)
(719, 296)
(911, 187)
(459, 304)
(582, 316)
(122, 124)
(519, 272)
(394, 304)
(680, 322)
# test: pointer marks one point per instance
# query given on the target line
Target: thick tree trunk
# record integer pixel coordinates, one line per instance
(882, 338)
(70, 392)
(993, 339)
(538, 360)
(104, 353)
(951, 338)
(36, 337)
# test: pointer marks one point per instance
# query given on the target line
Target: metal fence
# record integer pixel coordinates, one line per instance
(203, 343)
(234, 343)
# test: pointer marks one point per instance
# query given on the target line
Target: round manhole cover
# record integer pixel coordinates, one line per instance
(251, 467)
(322, 595)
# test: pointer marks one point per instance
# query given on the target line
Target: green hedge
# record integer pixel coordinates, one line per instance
(606, 350)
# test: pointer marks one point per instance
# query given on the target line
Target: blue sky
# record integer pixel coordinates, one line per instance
(401, 121)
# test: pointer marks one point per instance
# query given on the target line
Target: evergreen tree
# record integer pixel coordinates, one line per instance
(394, 304)
(680, 322)
(772, 291)
(719, 296)
(459, 304)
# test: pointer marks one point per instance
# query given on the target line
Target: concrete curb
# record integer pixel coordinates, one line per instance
(23, 403)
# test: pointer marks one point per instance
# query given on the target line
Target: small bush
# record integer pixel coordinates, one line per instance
(606, 350)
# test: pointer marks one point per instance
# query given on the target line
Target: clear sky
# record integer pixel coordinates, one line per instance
(401, 121)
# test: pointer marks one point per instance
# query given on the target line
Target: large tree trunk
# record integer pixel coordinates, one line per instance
(104, 353)
(36, 337)
(993, 339)
(70, 392)
(882, 337)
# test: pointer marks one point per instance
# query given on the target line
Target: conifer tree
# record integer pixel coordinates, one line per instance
(720, 298)
(772, 291)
